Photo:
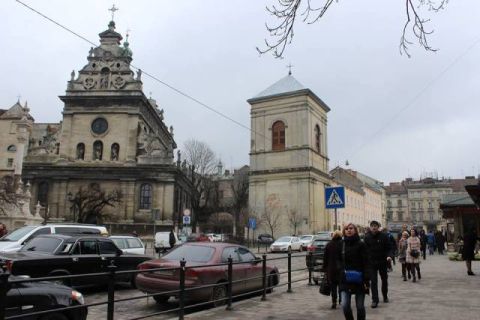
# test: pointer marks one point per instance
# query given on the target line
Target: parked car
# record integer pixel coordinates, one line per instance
(197, 237)
(325, 234)
(317, 247)
(306, 240)
(29, 297)
(285, 244)
(162, 241)
(56, 255)
(203, 254)
(15, 240)
(265, 238)
(214, 237)
(129, 244)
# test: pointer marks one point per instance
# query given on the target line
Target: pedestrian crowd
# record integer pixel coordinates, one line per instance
(352, 266)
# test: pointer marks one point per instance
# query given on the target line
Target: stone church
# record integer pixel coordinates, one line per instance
(112, 139)
(289, 159)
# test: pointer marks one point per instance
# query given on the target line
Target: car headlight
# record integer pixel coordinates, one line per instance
(77, 296)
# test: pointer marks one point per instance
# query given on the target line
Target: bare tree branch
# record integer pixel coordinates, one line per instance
(294, 219)
(91, 200)
(271, 215)
(7, 194)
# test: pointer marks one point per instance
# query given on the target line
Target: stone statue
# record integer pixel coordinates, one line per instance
(114, 153)
(72, 75)
(90, 53)
(139, 74)
(104, 79)
(81, 151)
(97, 151)
(171, 130)
(179, 156)
(161, 114)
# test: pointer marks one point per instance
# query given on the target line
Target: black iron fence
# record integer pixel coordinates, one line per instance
(267, 279)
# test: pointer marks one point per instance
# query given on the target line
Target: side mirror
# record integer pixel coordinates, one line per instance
(257, 260)
(119, 252)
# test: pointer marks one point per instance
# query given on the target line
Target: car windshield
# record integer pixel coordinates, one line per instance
(191, 253)
(42, 245)
(284, 239)
(17, 234)
(306, 237)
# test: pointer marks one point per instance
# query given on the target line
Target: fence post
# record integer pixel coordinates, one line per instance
(264, 277)
(181, 303)
(289, 290)
(111, 290)
(310, 267)
(229, 287)
(3, 293)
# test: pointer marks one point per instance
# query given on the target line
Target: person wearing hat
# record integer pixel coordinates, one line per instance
(380, 252)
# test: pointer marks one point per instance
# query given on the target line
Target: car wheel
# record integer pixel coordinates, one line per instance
(132, 281)
(218, 295)
(270, 282)
(161, 299)
(54, 316)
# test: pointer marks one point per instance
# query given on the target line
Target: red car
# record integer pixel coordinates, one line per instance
(202, 254)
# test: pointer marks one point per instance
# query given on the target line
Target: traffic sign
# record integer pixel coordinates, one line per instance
(334, 197)
(186, 219)
(252, 223)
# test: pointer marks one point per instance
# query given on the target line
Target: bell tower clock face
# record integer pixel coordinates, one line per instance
(99, 126)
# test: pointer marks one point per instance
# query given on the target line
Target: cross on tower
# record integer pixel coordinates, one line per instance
(289, 69)
(113, 9)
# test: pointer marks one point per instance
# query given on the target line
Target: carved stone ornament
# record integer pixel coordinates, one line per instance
(118, 82)
(89, 83)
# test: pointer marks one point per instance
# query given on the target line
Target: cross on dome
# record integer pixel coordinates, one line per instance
(113, 9)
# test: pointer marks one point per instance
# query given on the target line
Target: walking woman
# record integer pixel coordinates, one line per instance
(333, 254)
(355, 279)
(468, 253)
(413, 254)
(402, 254)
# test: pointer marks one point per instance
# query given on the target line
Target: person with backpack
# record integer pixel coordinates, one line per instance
(354, 276)
(379, 253)
(332, 255)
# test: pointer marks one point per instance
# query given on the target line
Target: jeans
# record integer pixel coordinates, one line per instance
(335, 289)
(382, 270)
(347, 307)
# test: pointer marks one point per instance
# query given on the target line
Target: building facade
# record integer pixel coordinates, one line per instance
(289, 159)
(112, 140)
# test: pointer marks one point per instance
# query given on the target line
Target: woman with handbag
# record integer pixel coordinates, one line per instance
(354, 279)
(331, 257)
(413, 254)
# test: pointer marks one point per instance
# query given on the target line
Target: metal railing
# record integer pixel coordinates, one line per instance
(268, 283)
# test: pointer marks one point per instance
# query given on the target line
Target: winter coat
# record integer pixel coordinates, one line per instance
(402, 250)
(355, 258)
(172, 239)
(430, 239)
(413, 244)
(333, 252)
(469, 241)
(378, 248)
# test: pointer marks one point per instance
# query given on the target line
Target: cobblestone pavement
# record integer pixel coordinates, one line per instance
(444, 292)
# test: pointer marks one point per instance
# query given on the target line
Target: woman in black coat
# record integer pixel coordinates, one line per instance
(331, 267)
(468, 253)
(353, 258)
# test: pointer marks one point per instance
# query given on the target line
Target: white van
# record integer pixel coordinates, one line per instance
(162, 241)
(14, 240)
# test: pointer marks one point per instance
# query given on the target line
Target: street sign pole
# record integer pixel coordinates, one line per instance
(336, 219)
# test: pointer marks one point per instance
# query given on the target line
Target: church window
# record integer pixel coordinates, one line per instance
(97, 150)
(80, 151)
(9, 162)
(146, 196)
(114, 150)
(12, 148)
(42, 195)
(317, 138)
(278, 136)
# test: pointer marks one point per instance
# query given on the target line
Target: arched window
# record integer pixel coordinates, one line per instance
(80, 151)
(12, 148)
(146, 196)
(114, 151)
(42, 195)
(97, 150)
(317, 138)
(278, 136)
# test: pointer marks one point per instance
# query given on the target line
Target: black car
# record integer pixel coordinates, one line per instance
(317, 247)
(29, 297)
(58, 255)
(265, 238)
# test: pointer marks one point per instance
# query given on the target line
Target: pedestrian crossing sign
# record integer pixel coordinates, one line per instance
(334, 197)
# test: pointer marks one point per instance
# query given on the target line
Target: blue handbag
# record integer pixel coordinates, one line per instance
(351, 276)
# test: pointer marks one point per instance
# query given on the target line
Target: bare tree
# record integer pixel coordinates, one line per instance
(240, 195)
(294, 219)
(91, 201)
(287, 11)
(7, 194)
(271, 215)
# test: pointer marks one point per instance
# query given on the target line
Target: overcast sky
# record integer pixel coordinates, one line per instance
(391, 117)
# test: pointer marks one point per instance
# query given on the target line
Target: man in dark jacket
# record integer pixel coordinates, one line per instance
(379, 252)
(172, 239)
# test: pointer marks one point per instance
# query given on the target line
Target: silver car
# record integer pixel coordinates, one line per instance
(129, 244)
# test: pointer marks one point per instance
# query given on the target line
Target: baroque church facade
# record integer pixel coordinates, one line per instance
(112, 139)
(289, 159)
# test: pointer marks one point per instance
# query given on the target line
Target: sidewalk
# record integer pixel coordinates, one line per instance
(444, 292)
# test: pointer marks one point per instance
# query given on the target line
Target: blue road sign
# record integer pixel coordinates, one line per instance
(334, 197)
(186, 220)
(252, 223)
